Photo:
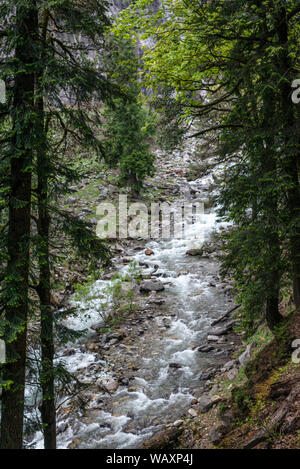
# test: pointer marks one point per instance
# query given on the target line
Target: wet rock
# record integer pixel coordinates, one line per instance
(62, 427)
(205, 348)
(192, 412)
(151, 285)
(218, 331)
(97, 326)
(178, 423)
(175, 365)
(212, 338)
(194, 252)
(108, 384)
(74, 443)
(207, 374)
(166, 439)
(149, 252)
(183, 272)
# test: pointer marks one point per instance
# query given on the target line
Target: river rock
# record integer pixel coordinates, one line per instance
(194, 252)
(204, 403)
(108, 384)
(229, 365)
(207, 374)
(205, 348)
(149, 252)
(151, 285)
(175, 365)
(219, 330)
(212, 338)
(178, 423)
(192, 412)
(166, 439)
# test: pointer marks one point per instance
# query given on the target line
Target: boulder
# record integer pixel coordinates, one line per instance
(108, 384)
(165, 439)
(219, 330)
(205, 402)
(215, 436)
(232, 374)
(246, 356)
(194, 252)
(205, 348)
(212, 338)
(151, 285)
(192, 412)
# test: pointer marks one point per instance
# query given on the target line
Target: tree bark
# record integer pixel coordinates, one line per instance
(16, 282)
(48, 410)
(292, 154)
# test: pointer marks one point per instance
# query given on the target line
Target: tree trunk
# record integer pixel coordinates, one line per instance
(16, 282)
(48, 410)
(292, 154)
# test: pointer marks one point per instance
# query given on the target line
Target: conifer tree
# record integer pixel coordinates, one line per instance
(128, 125)
(51, 106)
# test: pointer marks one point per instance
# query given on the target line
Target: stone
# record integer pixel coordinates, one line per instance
(151, 285)
(108, 384)
(149, 252)
(207, 374)
(178, 423)
(227, 419)
(229, 365)
(175, 365)
(192, 412)
(194, 252)
(164, 439)
(212, 338)
(218, 331)
(204, 403)
(62, 427)
(246, 356)
(205, 348)
(232, 374)
(215, 436)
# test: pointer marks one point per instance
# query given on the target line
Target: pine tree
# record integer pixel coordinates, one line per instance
(61, 79)
(237, 87)
(18, 149)
(128, 126)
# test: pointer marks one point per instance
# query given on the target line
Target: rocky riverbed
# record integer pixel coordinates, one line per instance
(157, 362)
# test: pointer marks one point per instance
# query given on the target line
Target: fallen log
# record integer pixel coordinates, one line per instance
(225, 315)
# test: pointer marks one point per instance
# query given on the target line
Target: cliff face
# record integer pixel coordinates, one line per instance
(119, 5)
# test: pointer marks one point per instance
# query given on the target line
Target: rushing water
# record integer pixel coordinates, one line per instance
(158, 393)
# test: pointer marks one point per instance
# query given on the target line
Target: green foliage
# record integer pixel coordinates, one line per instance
(128, 125)
(231, 65)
